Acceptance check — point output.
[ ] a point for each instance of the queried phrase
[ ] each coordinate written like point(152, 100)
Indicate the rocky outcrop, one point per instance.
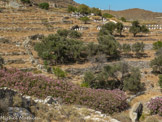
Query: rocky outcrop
point(136, 111)
point(134, 96)
point(36, 36)
point(29, 109)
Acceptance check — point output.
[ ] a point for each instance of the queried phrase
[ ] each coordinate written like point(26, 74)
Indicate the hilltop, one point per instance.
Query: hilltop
point(138, 14)
point(52, 3)
point(58, 3)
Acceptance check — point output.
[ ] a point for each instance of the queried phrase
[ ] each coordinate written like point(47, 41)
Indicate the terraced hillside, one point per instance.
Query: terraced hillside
point(21, 28)
point(16, 26)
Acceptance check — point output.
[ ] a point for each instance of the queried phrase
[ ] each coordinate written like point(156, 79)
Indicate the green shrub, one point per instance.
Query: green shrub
point(108, 45)
point(126, 48)
point(103, 32)
point(89, 78)
point(156, 64)
point(159, 52)
point(132, 83)
point(110, 26)
point(160, 80)
point(138, 48)
point(44, 6)
point(144, 29)
point(157, 61)
point(84, 9)
point(92, 49)
point(106, 15)
point(157, 45)
point(72, 8)
point(84, 19)
point(63, 32)
point(136, 28)
point(25, 1)
point(119, 27)
point(123, 19)
point(59, 50)
point(96, 11)
point(74, 34)
point(59, 72)
point(1, 62)
point(85, 84)
point(119, 76)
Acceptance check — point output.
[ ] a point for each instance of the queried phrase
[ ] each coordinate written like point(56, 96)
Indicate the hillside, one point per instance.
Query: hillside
point(57, 3)
point(138, 14)
point(61, 76)
point(52, 3)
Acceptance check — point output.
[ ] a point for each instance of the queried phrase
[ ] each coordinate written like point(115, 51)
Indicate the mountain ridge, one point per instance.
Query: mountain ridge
point(138, 14)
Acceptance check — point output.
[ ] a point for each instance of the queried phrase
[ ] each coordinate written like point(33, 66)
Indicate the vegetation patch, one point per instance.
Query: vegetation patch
point(157, 45)
point(155, 106)
point(25, 1)
point(64, 47)
point(40, 86)
point(137, 28)
point(44, 6)
point(160, 80)
point(118, 76)
point(156, 63)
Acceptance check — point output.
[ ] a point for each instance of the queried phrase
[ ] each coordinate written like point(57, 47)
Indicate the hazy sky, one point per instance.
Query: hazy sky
point(153, 5)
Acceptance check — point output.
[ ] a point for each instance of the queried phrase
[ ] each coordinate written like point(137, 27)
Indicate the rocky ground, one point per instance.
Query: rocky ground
point(29, 109)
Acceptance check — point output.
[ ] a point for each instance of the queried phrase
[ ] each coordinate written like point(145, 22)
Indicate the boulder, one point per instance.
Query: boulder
point(5, 41)
point(37, 36)
point(20, 114)
point(50, 100)
point(136, 112)
point(75, 27)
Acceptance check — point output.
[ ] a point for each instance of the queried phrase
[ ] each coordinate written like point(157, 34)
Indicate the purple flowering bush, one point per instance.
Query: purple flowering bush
point(108, 101)
point(155, 106)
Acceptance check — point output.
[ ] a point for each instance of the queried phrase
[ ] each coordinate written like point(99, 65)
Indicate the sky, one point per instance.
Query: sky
point(153, 5)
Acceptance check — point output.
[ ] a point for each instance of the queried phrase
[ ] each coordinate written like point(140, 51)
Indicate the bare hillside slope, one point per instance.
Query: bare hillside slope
point(139, 14)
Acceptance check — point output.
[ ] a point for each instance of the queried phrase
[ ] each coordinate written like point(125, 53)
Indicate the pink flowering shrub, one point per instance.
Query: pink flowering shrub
point(108, 101)
point(155, 106)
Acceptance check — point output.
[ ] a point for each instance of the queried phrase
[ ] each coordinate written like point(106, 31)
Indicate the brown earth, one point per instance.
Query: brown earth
point(139, 14)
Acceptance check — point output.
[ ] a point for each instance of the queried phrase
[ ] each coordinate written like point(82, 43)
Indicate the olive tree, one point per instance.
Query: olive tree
point(156, 64)
point(138, 48)
point(108, 45)
point(119, 27)
point(110, 26)
point(135, 28)
point(96, 11)
point(126, 48)
point(84, 9)
point(84, 19)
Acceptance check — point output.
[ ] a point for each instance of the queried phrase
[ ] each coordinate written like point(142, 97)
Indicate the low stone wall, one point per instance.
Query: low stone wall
point(148, 47)
point(97, 68)
point(139, 64)
point(14, 61)
point(34, 61)
point(138, 39)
